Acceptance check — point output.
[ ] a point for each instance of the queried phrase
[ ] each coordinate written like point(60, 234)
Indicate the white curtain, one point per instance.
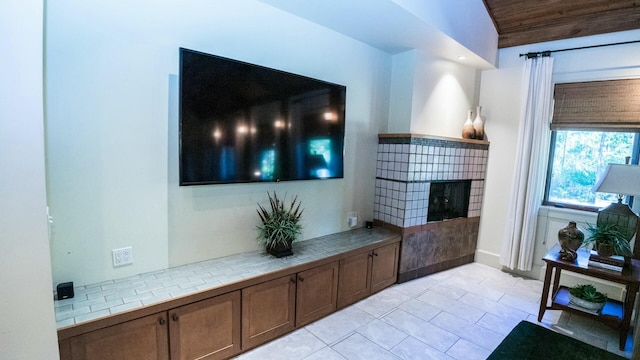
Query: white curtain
point(530, 164)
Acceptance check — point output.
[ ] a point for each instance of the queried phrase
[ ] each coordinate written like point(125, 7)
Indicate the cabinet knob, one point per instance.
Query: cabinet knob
point(174, 317)
point(375, 253)
point(293, 280)
point(161, 321)
point(300, 278)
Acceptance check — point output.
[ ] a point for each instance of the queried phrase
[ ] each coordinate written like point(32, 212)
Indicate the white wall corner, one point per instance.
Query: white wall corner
point(466, 22)
point(28, 329)
point(401, 92)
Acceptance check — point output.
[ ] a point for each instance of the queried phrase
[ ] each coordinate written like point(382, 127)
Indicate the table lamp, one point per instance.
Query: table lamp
point(620, 179)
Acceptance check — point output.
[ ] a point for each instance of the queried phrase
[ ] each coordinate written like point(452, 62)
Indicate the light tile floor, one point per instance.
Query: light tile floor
point(462, 313)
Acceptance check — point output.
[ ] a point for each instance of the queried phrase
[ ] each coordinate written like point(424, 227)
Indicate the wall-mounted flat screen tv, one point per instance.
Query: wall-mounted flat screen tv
point(242, 123)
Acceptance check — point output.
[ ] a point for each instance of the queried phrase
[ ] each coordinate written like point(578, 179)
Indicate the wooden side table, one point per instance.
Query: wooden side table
point(615, 314)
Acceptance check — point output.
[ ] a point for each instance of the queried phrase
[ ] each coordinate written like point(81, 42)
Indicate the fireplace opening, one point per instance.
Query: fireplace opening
point(448, 200)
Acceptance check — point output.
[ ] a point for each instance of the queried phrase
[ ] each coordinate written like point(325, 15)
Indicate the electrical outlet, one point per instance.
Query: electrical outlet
point(352, 218)
point(122, 256)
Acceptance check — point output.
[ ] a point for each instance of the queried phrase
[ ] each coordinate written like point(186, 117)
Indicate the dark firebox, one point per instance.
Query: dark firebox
point(448, 200)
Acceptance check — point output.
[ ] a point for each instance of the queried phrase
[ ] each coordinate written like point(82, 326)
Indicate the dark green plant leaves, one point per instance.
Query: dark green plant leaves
point(609, 235)
point(280, 223)
point(588, 293)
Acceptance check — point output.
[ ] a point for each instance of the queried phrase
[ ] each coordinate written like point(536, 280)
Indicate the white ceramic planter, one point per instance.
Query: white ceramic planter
point(585, 304)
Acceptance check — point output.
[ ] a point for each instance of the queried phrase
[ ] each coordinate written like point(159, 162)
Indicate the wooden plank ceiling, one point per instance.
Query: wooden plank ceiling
point(521, 22)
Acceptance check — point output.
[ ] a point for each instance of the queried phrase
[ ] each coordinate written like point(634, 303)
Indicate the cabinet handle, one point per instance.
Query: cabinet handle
point(375, 253)
point(293, 280)
point(300, 278)
point(161, 321)
point(174, 317)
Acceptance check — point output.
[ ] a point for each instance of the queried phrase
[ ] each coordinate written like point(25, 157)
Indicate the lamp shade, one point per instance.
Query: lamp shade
point(619, 179)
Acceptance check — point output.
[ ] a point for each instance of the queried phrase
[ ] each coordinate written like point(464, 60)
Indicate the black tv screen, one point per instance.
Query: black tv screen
point(247, 123)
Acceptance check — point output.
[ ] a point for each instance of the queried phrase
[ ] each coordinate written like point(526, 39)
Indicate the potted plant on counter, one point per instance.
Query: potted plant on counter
point(280, 225)
point(608, 240)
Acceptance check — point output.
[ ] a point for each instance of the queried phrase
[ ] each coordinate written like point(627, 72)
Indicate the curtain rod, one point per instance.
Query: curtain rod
point(531, 55)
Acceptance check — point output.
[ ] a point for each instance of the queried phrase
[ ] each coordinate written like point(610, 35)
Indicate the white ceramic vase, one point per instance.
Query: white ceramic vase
point(467, 129)
point(478, 124)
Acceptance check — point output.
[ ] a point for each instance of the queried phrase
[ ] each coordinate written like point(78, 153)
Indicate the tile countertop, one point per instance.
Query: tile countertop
point(110, 297)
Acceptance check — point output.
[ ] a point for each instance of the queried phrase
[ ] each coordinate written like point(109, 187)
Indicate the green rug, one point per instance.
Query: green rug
point(530, 341)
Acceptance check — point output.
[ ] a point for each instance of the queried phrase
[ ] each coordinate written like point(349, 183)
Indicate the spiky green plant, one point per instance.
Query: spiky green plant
point(280, 222)
point(609, 235)
point(588, 293)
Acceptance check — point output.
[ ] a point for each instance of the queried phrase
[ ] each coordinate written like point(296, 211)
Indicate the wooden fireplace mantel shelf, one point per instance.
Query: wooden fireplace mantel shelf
point(435, 137)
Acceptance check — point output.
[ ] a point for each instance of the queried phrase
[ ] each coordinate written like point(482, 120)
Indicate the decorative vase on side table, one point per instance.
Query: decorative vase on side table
point(570, 239)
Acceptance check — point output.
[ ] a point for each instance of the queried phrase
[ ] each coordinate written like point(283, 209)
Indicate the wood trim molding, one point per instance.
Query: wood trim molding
point(434, 137)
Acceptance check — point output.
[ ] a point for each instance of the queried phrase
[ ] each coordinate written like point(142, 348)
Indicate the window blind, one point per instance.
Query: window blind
point(611, 105)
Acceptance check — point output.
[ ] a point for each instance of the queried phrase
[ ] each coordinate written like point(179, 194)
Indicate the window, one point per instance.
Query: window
point(576, 160)
point(594, 123)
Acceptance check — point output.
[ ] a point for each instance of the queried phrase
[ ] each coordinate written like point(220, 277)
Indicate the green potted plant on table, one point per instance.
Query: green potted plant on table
point(280, 225)
point(586, 296)
point(608, 240)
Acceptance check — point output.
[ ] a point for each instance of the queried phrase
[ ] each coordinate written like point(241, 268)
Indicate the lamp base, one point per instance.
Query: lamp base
point(621, 215)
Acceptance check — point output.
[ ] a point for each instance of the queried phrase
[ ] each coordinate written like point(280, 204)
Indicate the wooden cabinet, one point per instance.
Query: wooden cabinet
point(208, 329)
point(268, 310)
point(384, 267)
point(354, 282)
point(144, 338)
point(363, 274)
point(238, 316)
point(316, 293)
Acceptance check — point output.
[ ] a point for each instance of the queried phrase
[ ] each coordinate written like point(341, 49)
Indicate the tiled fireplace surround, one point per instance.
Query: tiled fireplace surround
point(407, 165)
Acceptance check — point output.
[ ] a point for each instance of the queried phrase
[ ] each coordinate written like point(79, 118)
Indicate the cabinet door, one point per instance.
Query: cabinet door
point(144, 338)
point(268, 311)
point(353, 279)
point(208, 329)
point(384, 269)
point(316, 293)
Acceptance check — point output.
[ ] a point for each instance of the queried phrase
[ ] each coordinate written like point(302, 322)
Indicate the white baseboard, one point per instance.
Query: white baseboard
point(488, 258)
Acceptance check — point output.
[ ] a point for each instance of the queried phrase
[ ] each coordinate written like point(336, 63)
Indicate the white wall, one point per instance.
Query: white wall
point(401, 96)
point(500, 97)
point(430, 95)
point(27, 330)
point(465, 21)
point(444, 91)
point(111, 87)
